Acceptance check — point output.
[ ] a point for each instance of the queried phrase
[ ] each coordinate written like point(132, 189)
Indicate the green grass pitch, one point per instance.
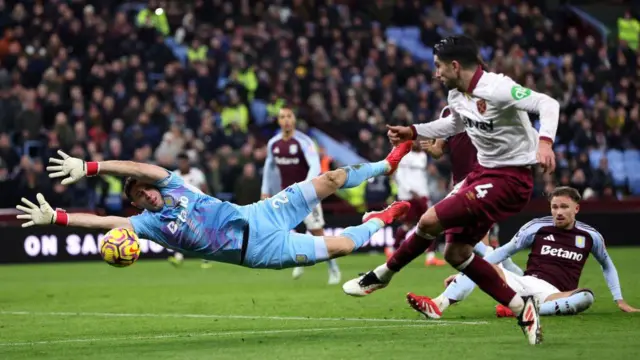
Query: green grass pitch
point(154, 311)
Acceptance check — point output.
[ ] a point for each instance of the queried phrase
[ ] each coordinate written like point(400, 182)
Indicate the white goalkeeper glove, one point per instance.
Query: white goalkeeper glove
point(75, 168)
point(43, 215)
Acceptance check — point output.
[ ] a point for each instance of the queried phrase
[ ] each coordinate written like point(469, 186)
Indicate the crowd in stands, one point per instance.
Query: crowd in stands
point(149, 81)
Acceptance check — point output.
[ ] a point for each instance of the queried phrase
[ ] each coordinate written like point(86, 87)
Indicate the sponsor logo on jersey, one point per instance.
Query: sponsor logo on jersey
point(550, 238)
point(580, 241)
point(482, 106)
point(470, 195)
point(519, 92)
point(560, 253)
point(482, 126)
point(287, 160)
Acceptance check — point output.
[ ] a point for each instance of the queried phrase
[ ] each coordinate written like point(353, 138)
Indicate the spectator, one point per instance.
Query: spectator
point(247, 189)
point(89, 78)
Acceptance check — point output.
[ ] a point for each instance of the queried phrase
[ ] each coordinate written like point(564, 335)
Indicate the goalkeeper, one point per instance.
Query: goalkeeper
point(180, 217)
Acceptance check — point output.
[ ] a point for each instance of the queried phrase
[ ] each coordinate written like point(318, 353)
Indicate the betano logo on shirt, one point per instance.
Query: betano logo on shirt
point(519, 92)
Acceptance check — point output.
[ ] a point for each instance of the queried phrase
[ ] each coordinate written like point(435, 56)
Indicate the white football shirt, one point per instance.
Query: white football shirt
point(195, 177)
point(494, 113)
point(411, 175)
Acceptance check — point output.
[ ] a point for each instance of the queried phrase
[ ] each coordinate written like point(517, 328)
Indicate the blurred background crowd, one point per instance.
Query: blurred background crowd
point(197, 83)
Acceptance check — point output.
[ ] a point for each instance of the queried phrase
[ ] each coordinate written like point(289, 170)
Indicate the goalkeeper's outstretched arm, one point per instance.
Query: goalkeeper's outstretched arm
point(74, 169)
point(141, 171)
point(44, 214)
point(93, 221)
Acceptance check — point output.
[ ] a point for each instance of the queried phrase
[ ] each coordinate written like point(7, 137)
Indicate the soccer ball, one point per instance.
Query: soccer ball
point(120, 247)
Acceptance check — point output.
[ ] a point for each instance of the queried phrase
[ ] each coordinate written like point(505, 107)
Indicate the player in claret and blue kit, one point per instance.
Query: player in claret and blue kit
point(560, 246)
point(180, 217)
point(292, 158)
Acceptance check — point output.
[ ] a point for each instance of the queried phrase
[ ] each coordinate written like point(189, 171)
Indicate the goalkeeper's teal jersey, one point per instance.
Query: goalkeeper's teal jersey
point(193, 223)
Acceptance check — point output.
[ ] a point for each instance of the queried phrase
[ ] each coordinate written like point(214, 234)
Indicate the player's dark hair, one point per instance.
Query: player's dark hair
point(567, 191)
point(129, 183)
point(460, 48)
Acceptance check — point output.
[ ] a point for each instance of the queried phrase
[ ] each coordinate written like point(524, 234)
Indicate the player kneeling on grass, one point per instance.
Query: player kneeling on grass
point(179, 217)
point(560, 246)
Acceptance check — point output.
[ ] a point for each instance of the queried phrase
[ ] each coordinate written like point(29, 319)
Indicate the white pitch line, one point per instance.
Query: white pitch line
point(192, 335)
point(239, 317)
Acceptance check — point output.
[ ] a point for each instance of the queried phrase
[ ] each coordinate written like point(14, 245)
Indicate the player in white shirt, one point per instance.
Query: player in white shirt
point(411, 175)
point(413, 186)
point(492, 109)
point(194, 177)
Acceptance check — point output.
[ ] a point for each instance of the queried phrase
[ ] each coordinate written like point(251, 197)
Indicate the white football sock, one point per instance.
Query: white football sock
point(442, 301)
point(384, 273)
point(516, 304)
point(333, 265)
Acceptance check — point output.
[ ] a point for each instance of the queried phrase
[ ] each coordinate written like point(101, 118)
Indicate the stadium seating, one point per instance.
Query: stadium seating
point(406, 33)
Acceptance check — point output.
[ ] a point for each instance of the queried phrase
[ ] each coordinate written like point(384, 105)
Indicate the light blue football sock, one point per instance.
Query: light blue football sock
point(460, 288)
point(362, 233)
point(571, 305)
point(481, 249)
point(357, 174)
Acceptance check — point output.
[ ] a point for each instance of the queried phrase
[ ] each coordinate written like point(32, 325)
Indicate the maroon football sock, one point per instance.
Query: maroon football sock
point(399, 236)
point(488, 279)
point(432, 247)
point(410, 249)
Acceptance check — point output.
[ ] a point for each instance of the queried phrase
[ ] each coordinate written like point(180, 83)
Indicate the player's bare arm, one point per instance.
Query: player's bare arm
point(435, 148)
point(75, 169)
point(44, 214)
point(610, 273)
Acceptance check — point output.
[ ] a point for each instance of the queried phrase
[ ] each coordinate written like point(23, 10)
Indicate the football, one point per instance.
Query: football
point(120, 247)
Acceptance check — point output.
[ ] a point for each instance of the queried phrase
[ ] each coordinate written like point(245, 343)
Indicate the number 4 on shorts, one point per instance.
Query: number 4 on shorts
point(481, 190)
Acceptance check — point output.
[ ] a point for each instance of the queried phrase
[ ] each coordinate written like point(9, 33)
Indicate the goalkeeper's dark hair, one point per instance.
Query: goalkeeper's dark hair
point(567, 191)
point(129, 183)
point(460, 48)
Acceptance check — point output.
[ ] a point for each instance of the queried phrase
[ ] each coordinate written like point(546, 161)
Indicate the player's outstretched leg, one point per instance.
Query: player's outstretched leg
point(488, 278)
point(568, 303)
point(457, 290)
point(354, 237)
point(417, 243)
point(351, 176)
point(564, 303)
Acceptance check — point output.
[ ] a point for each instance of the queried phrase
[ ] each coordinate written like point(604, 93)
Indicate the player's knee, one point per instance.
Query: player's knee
point(429, 223)
point(344, 246)
point(333, 178)
point(456, 254)
point(585, 299)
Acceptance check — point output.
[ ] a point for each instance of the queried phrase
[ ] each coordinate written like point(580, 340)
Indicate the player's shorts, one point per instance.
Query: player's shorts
point(271, 243)
point(529, 285)
point(315, 220)
point(487, 196)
